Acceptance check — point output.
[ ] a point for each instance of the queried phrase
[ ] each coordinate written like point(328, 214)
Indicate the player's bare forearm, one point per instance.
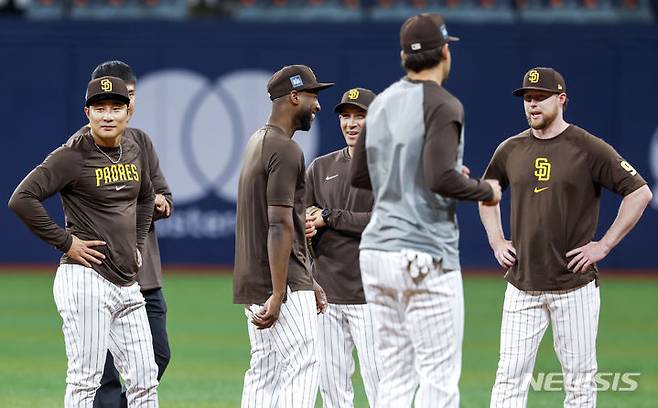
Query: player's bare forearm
point(320, 297)
point(279, 245)
point(491, 220)
point(503, 249)
point(630, 211)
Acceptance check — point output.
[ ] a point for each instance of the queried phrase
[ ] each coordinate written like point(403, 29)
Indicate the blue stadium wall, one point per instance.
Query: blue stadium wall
point(201, 93)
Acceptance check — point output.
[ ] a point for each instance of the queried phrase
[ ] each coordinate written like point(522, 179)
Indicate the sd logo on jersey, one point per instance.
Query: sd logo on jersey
point(542, 172)
point(542, 169)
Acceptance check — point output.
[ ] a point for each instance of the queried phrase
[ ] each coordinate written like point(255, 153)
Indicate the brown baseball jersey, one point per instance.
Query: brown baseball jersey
point(336, 247)
point(102, 200)
point(555, 191)
point(272, 174)
point(150, 273)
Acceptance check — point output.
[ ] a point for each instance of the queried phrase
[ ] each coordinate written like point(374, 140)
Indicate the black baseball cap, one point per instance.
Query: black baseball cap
point(542, 79)
point(424, 32)
point(359, 97)
point(294, 78)
point(106, 88)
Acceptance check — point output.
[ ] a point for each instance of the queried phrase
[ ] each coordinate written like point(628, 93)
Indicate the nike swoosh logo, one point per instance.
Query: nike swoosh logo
point(539, 190)
point(119, 188)
point(330, 177)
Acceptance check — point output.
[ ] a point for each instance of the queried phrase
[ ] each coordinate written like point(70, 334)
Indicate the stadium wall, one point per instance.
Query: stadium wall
point(201, 93)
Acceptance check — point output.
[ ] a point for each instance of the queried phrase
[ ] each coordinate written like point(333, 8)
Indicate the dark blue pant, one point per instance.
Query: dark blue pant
point(110, 394)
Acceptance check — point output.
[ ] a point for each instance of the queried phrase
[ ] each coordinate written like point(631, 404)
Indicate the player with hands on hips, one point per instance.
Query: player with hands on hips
point(83, 252)
point(112, 393)
point(107, 195)
point(555, 171)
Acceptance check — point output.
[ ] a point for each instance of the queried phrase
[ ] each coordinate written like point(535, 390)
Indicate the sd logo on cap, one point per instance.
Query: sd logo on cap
point(106, 88)
point(353, 94)
point(359, 97)
point(542, 79)
point(106, 85)
point(533, 76)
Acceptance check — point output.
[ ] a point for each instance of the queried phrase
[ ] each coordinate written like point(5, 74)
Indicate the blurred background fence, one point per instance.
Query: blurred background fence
point(340, 10)
point(202, 66)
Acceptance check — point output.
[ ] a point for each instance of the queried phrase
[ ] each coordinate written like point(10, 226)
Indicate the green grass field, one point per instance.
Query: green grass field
point(210, 348)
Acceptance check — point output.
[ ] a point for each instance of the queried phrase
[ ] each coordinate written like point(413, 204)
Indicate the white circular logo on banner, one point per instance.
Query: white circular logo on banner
point(200, 128)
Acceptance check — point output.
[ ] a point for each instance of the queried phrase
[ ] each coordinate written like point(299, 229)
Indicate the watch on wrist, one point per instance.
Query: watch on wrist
point(326, 213)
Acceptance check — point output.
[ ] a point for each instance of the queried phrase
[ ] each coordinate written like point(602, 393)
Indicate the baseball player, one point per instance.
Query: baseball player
point(340, 213)
point(272, 268)
point(555, 171)
point(110, 394)
point(108, 203)
point(411, 154)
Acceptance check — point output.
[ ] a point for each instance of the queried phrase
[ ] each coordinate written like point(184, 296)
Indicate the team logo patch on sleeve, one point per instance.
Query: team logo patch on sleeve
point(627, 166)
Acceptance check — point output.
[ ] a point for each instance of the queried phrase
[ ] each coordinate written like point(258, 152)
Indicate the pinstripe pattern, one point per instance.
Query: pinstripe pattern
point(284, 367)
point(574, 315)
point(341, 328)
point(98, 315)
point(419, 327)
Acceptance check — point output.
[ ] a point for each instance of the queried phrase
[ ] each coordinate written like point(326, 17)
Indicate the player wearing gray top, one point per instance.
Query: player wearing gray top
point(411, 155)
point(108, 204)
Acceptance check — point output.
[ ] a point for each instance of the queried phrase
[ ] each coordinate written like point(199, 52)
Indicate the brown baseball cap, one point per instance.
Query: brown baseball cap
point(424, 32)
point(106, 88)
point(542, 79)
point(294, 78)
point(359, 97)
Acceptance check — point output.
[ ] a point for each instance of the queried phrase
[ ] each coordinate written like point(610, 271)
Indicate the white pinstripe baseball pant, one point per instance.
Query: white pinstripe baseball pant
point(99, 315)
point(419, 327)
point(284, 367)
point(341, 328)
point(574, 315)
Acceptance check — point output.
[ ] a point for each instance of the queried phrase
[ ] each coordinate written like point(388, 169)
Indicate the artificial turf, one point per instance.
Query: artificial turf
point(210, 348)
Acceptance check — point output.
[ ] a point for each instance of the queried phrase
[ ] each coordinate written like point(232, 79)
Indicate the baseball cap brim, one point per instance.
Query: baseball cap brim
point(106, 96)
point(338, 108)
point(317, 87)
point(521, 91)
